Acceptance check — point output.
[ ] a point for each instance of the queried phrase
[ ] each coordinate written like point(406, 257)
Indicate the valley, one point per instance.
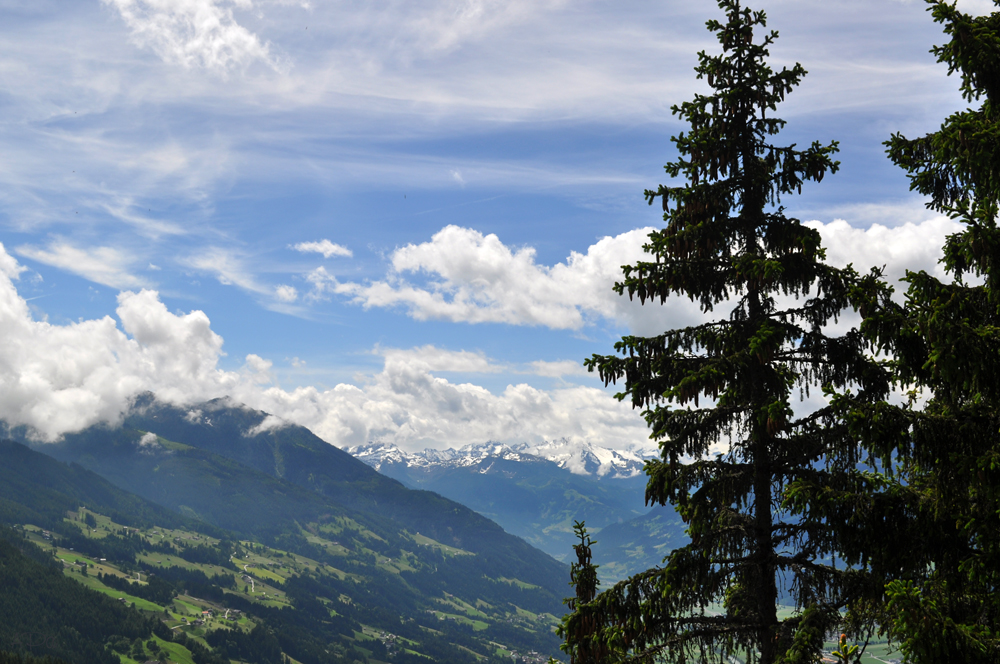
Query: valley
point(537, 493)
point(367, 571)
point(221, 605)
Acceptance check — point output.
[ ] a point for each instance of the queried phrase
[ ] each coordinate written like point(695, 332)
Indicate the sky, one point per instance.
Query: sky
point(388, 220)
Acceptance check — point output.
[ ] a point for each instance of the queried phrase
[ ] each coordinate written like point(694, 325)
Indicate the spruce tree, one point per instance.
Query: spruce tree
point(718, 396)
point(928, 528)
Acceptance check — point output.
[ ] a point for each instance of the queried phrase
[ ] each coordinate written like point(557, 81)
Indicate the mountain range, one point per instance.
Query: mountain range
point(385, 556)
point(538, 492)
point(577, 458)
point(390, 559)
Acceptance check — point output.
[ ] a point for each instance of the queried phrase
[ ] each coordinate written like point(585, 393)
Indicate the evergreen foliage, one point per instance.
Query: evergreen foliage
point(43, 613)
point(928, 528)
point(726, 463)
point(583, 578)
point(328, 609)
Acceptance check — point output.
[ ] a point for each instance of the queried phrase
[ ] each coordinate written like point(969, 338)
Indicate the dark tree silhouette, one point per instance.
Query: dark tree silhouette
point(718, 395)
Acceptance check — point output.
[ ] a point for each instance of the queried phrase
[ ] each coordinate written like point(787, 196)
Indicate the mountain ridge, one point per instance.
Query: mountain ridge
point(580, 459)
point(268, 486)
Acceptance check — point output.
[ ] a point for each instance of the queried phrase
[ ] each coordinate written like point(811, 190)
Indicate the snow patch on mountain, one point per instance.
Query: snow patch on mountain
point(585, 459)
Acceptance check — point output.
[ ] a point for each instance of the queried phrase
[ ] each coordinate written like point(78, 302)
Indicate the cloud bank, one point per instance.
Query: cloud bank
point(60, 378)
point(461, 275)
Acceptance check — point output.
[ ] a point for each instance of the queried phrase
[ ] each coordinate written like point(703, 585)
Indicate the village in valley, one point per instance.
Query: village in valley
point(253, 573)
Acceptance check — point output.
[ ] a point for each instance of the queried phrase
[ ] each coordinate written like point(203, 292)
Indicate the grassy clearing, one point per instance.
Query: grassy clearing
point(423, 540)
point(517, 582)
point(477, 625)
point(92, 583)
point(175, 652)
point(464, 607)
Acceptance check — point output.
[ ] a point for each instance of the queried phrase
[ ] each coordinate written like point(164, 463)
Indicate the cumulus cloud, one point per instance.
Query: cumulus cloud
point(324, 247)
point(323, 285)
point(258, 368)
point(102, 265)
point(286, 293)
point(193, 33)
point(9, 267)
point(269, 423)
point(60, 378)
point(978, 7)
point(461, 275)
point(148, 439)
point(413, 408)
point(904, 247)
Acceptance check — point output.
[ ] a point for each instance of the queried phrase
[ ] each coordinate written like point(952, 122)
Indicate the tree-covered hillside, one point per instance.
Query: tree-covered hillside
point(44, 613)
point(319, 574)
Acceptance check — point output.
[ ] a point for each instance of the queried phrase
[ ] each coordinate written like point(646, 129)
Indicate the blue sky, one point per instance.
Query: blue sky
point(392, 220)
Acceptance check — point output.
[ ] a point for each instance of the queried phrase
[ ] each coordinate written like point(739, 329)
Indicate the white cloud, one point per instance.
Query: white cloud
point(102, 265)
point(558, 369)
point(446, 24)
point(229, 268)
point(908, 246)
point(151, 228)
point(269, 423)
point(324, 284)
point(461, 275)
point(465, 276)
point(286, 293)
point(977, 7)
point(258, 364)
point(193, 33)
point(411, 407)
point(59, 378)
point(430, 358)
point(9, 267)
point(324, 247)
point(149, 443)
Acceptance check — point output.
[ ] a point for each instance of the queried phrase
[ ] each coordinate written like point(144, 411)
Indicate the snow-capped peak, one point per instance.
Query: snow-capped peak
point(580, 459)
point(375, 454)
point(589, 459)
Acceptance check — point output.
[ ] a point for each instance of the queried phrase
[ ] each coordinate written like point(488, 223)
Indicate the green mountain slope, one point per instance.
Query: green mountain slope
point(326, 594)
point(43, 613)
point(188, 475)
point(392, 578)
point(638, 544)
point(295, 454)
point(530, 497)
point(299, 457)
point(33, 489)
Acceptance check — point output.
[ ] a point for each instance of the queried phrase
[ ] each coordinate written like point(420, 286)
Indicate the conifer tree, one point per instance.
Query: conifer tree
point(930, 526)
point(718, 396)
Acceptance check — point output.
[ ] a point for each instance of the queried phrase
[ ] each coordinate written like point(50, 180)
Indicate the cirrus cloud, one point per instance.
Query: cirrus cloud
point(193, 33)
point(103, 265)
